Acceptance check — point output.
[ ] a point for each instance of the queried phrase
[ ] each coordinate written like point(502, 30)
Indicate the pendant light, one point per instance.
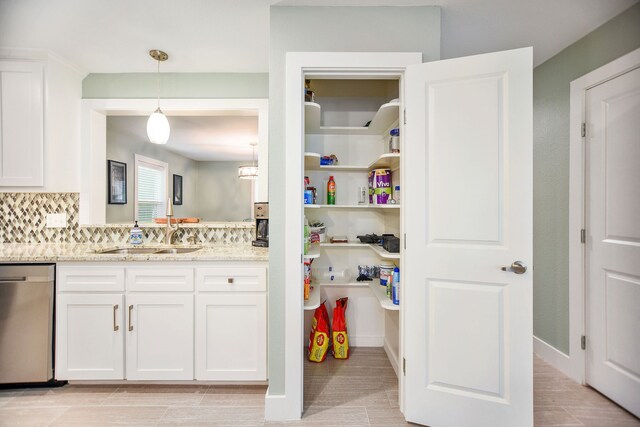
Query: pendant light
point(158, 126)
point(249, 172)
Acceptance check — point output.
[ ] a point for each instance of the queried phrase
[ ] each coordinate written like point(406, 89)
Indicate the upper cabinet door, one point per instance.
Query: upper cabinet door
point(21, 123)
point(468, 214)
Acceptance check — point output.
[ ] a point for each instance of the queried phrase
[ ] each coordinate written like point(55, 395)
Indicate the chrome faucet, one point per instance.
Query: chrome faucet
point(170, 230)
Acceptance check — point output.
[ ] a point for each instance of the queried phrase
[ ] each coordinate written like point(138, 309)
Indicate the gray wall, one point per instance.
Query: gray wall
point(551, 167)
point(316, 29)
point(126, 136)
point(176, 85)
point(221, 194)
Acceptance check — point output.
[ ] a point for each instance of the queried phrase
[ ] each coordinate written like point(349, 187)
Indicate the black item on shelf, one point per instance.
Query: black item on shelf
point(391, 243)
point(364, 278)
point(370, 238)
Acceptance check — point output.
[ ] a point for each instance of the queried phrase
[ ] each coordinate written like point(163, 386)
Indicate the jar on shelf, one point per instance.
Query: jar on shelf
point(394, 141)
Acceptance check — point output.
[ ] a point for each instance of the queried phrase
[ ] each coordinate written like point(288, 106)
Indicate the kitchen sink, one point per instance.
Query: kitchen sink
point(146, 251)
point(177, 250)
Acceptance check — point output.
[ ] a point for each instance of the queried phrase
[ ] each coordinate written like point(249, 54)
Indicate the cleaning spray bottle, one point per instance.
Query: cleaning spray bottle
point(331, 191)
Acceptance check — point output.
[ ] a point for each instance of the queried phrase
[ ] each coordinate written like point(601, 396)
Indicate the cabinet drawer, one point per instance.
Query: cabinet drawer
point(88, 279)
point(160, 279)
point(230, 279)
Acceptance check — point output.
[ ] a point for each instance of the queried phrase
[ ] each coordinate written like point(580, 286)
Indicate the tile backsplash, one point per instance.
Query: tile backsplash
point(23, 219)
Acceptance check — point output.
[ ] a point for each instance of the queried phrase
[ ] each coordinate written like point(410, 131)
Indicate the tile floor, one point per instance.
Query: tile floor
point(361, 391)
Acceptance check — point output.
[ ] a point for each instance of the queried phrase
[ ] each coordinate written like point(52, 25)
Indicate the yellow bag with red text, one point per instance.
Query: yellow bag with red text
point(319, 339)
point(340, 337)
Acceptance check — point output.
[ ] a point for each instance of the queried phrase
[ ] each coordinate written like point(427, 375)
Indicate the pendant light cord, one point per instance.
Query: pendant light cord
point(158, 81)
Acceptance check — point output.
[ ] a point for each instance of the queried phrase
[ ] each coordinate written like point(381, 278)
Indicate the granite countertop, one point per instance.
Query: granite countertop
point(80, 252)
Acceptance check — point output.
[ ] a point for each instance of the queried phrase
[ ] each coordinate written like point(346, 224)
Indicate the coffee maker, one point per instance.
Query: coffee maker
point(261, 213)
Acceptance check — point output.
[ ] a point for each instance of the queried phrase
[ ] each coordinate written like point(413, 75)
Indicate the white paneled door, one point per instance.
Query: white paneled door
point(468, 214)
point(613, 243)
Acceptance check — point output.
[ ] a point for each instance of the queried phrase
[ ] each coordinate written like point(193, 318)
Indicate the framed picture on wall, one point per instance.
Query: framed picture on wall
point(177, 189)
point(117, 182)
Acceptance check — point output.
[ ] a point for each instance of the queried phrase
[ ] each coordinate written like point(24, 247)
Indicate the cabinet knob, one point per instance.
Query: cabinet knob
point(230, 280)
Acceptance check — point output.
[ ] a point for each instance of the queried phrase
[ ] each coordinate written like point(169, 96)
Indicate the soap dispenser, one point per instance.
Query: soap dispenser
point(135, 237)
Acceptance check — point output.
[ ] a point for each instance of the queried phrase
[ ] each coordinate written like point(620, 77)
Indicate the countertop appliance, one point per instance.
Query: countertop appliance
point(26, 323)
point(261, 212)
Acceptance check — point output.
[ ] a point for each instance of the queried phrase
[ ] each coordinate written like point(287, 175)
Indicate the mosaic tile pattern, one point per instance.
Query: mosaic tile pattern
point(23, 220)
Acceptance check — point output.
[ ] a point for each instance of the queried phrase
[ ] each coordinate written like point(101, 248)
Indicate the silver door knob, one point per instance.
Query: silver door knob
point(517, 267)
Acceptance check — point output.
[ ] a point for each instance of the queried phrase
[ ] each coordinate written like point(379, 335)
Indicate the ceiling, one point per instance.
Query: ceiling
point(232, 35)
point(202, 138)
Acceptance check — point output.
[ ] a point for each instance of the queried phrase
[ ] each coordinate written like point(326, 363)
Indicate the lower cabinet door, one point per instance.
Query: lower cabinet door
point(231, 336)
point(159, 333)
point(89, 337)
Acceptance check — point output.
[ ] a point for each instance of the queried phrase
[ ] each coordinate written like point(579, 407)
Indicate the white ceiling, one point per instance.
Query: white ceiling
point(114, 36)
point(203, 138)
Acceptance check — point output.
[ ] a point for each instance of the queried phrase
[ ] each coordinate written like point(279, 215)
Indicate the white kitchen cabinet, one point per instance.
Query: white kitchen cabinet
point(21, 123)
point(231, 336)
point(138, 321)
point(159, 336)
point(90, 336)
point(231, 332)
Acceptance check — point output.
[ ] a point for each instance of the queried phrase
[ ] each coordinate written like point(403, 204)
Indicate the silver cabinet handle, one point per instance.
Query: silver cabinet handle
point(230, 280)
point(115, 324)
point(130, 315)
point(517, 267)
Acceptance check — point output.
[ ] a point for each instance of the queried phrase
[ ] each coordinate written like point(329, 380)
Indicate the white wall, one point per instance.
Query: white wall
point(63, 92)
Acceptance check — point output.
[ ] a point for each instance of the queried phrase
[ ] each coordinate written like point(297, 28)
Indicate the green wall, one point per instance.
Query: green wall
point(328, 29)
point(551, 167)
point(176, 85)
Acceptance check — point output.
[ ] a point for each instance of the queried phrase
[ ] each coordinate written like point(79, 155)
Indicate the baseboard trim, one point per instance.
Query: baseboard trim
point(553, 356)
point(366, 341)
point(393, 358)
point(279, 408)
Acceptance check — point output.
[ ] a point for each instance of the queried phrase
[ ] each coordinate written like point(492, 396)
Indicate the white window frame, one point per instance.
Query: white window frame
point(141, 160)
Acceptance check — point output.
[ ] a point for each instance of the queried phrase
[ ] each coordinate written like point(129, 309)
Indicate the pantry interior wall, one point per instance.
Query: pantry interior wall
point(323, 29)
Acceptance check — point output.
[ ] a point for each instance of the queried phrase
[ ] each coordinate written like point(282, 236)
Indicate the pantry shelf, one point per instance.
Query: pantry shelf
point(314, 298)
point(379, 250)
point(381, 293)
point(389, 160)
point(352, 206)
point(386, 115)
point(351, 283)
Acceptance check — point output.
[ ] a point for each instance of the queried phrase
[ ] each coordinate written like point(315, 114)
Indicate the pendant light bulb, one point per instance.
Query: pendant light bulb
point(158, 129)
point(249, 172)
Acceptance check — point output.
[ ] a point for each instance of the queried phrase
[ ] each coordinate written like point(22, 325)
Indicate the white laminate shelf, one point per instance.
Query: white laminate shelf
point(388, 160)
point(386, 115)
point(379, 250)
point(381, 293)
point(314, 298)
point(396, 206)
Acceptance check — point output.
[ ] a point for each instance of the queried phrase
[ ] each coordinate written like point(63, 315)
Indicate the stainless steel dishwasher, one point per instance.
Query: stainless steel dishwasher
point(26, 323)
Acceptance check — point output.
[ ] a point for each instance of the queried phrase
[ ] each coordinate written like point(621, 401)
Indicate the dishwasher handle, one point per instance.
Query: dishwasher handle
point(13, 279)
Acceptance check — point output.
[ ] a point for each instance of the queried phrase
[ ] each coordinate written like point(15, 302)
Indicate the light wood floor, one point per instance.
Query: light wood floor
point(361, 391)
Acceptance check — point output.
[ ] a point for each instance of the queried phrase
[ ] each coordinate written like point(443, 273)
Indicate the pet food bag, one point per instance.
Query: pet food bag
point(340, 337)
point(319, 339)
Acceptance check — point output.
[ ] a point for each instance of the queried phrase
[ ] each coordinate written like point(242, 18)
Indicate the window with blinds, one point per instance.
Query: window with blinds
point(151, 188)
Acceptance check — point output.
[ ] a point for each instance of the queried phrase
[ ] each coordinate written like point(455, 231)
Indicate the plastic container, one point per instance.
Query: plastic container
point(332, 275)
point(396, 193)
point(394, 141)
point(135, 235)
point(386, 273)
point(321, 232)
point(395, 290)
point(308, 197)
point(331, 191)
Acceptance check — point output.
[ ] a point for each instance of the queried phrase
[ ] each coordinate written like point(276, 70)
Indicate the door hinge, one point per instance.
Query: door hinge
point(301, 258)
point(583, 236)
point(404, 114)
point(405, 241)
point(583, 130)
point(404, 366)
point(583, 342)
